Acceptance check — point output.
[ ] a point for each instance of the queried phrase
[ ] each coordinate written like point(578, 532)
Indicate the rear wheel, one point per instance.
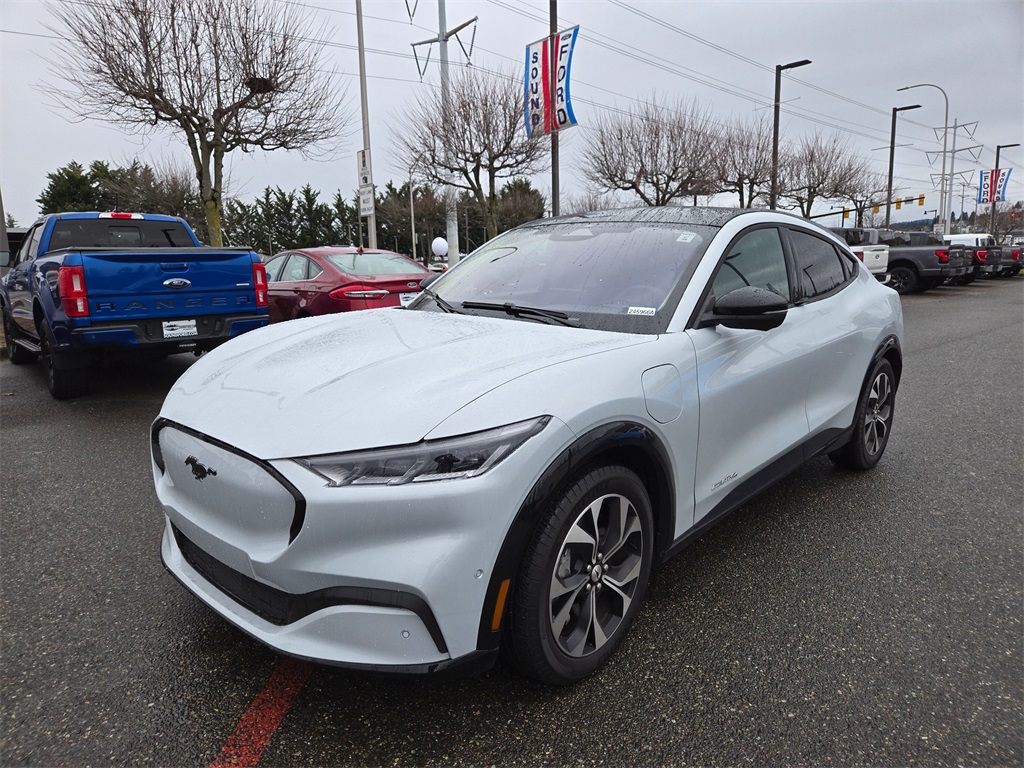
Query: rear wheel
point(582, 578)
point(903, 280)
point(872, 421)
point(63, 383)
point(16, 353)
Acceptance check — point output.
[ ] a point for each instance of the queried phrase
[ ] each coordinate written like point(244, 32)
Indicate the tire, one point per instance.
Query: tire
point(903, 280)
point(16, 353)
point(872, 421)
point(595, 547)
point(63, 383)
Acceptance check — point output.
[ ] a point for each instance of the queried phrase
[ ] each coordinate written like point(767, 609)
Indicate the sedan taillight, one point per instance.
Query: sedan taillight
point(358, 292)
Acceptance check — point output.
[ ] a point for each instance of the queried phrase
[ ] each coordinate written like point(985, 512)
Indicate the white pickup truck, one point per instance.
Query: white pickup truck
point(875, 257)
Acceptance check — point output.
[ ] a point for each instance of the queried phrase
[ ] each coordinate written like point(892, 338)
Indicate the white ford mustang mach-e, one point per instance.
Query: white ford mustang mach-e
point(498, 466)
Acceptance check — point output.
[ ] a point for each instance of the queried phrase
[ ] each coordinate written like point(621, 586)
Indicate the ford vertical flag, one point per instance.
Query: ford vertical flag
point(547, 105)
point(992, 185)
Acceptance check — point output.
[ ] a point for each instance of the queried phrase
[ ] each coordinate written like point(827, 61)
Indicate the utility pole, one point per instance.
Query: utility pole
point(554, 134)
point(371, 224)
point(779, 69)
point(451, 209)
point(892, 156)
point(952, 162)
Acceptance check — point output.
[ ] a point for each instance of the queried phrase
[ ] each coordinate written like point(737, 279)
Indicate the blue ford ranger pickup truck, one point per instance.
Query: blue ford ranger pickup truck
point(89, 286)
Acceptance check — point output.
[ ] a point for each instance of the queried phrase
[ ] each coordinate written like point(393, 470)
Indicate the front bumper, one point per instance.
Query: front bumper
point(380, 578)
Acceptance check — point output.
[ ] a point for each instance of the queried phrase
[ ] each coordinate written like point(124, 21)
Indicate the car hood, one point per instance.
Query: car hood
point(364, 379)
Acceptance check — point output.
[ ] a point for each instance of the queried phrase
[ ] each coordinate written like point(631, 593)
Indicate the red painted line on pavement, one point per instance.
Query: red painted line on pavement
point(259, 723)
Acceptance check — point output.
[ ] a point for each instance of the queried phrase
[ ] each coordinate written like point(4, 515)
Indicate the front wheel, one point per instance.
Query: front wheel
point(872, 421)
point(583, 577)
point(63, 383)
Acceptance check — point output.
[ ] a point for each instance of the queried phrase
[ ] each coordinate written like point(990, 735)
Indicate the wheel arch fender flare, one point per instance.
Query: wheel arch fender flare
point(626, 443)
point(890, 350)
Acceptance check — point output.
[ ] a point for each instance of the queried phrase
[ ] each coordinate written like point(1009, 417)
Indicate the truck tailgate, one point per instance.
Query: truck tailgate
point(168, 283)
point(875, 257)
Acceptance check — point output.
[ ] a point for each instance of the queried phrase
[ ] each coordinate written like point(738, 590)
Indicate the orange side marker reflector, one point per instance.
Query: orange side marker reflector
point(499, 606)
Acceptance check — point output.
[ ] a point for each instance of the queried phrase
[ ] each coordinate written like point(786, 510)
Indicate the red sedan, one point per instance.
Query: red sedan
point(319, 281)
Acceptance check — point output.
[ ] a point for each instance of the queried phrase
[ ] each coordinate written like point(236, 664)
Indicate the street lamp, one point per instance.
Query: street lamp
point(892, 155)
point(944, 205)
point(775, 128)
point(992, 228)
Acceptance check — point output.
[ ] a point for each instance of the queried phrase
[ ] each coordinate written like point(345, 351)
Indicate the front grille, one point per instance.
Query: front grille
point(280, 607)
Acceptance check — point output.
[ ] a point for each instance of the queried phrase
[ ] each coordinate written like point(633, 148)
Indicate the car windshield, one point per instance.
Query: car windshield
point(371, 263)
point(608, 275)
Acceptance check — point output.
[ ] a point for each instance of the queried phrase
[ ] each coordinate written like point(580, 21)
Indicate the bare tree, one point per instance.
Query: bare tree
point(227, 74)
point(590, 200)
point(865, 190)
point(478, 140)
point(819, 168)
point(744, 164)
point(657, 153)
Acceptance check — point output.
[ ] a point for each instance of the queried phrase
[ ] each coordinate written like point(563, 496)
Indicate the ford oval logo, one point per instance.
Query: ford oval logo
point(177, 282)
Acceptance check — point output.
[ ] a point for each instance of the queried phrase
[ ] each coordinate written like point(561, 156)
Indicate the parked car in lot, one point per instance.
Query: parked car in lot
point(986, 255)
point(615, 383)
point(320, 281)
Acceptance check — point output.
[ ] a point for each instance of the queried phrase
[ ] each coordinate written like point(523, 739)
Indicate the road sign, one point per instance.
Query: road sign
point(366, 200)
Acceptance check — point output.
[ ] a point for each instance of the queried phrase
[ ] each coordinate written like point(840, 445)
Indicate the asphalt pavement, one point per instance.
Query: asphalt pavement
point(837, 619)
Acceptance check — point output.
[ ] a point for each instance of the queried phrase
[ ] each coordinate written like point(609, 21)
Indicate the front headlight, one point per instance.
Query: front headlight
point(445, 459)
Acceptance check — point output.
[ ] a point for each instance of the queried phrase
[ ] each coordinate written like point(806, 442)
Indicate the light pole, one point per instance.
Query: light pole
point(943, 212)
point(892, 155)
point(992, 226)
point(775, 128)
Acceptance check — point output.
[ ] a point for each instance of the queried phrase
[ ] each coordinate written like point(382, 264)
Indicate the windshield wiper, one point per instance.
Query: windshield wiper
point(444, 305)
point(517, 311)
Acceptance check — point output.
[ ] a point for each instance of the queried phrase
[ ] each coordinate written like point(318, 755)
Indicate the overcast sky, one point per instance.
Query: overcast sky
point(722, 54)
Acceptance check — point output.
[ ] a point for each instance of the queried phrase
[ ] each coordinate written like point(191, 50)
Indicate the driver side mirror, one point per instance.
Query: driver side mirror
point(749, 307)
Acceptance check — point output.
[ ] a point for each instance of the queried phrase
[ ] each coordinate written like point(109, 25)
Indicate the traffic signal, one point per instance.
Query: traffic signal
point(899, 203)
point(920, 199)
point(846, 213)
point(877, 208)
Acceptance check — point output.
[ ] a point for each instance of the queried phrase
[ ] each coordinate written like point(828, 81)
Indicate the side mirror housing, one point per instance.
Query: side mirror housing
point(429, 279)
point(750, 308)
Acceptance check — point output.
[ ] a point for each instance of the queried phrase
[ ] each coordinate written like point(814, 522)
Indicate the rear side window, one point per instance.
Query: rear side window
point(118, 233)
point(820, 266)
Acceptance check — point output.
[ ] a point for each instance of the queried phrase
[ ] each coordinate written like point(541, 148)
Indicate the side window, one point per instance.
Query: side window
point(30, 245)
point(755, 259)
point(820, 266)
point(296, 268)
point(274, 268)
point(312, 269)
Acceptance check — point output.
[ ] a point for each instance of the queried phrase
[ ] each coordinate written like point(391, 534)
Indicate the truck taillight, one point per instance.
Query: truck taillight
point(71, 287)
point(259, 281)
point(1015, 254)
point(943, 256)
point(859, 253)
point(982, 255)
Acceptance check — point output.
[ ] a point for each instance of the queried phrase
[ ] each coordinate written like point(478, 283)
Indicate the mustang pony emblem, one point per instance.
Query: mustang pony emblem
point(198, 470)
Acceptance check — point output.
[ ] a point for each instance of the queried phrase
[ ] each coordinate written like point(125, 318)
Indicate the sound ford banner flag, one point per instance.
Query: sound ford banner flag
point(992, 185)
point(548, 106)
